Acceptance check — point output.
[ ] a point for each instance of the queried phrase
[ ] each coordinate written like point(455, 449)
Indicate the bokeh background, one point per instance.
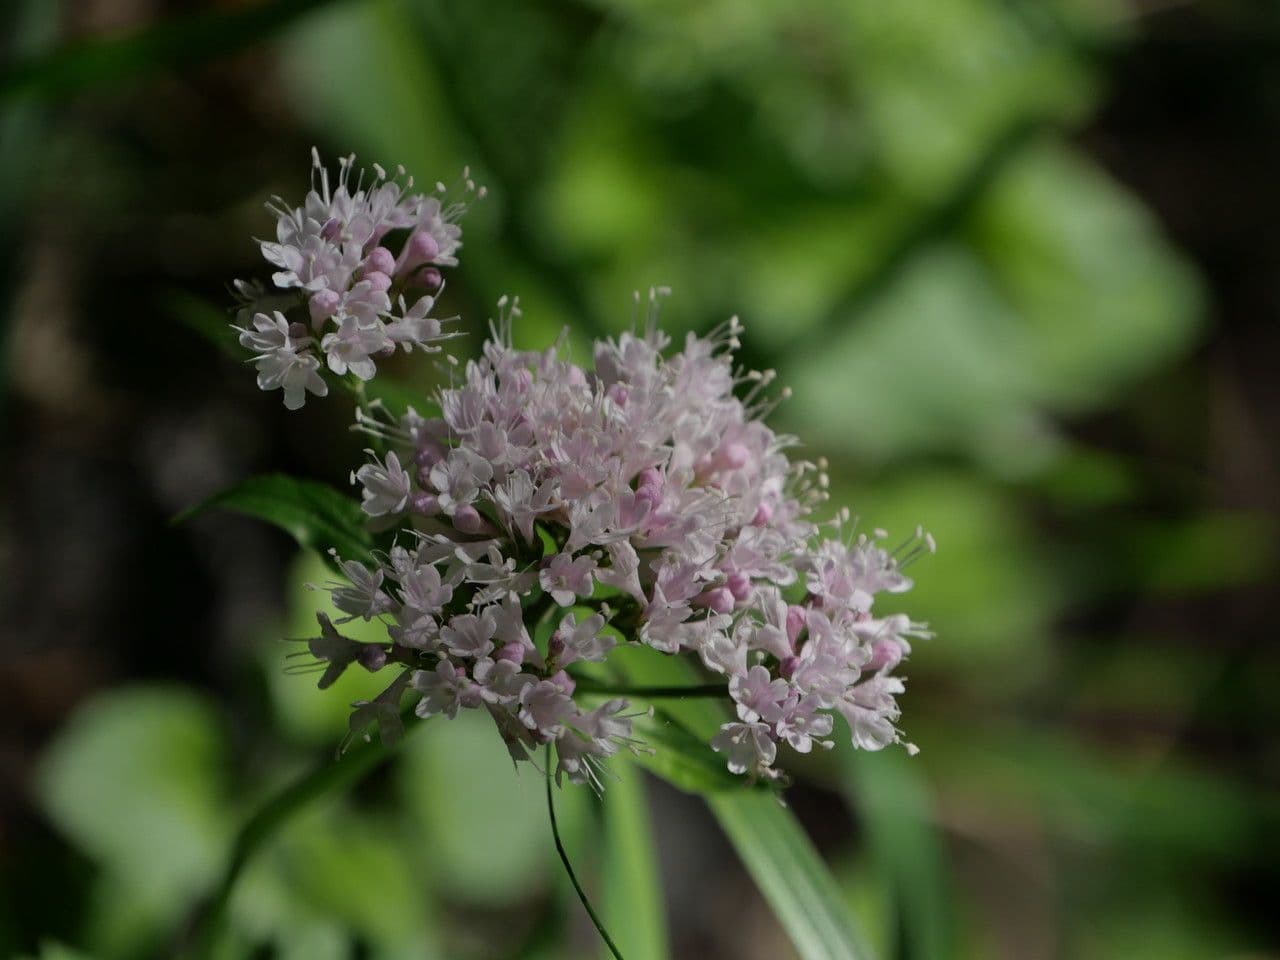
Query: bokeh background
point(1018, 262)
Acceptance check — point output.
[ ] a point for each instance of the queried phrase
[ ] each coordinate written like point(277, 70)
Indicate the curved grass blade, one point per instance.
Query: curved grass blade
point(893, 800)
point(790, 874)
point(773, 846)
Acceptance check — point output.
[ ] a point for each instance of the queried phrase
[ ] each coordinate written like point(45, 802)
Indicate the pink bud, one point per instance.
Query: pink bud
point(324, 304)
point(467, 519)
point(885, 654)
point(788, 667)
point(430, 278)
point(797, 617)
point(739, 585)
point(422, 247)
point(649, 486)
point(380, 260)
point(717, 599)
point(513, 652)
point(424, 503)
point(428, 455)
point(764, 513)
point(733, 456)
point(618, 393)
point(378, 280)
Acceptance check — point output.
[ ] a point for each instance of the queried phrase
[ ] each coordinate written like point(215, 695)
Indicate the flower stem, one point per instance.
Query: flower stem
point(568, 867)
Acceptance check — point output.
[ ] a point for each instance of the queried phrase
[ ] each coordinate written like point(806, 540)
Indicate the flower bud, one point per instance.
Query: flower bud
point(717, 599)
point(885, 655)
point(467, 519)
point(324, 304)
point(739, 584)
point(424, 504)
point(380, 260)
point(797, 617)
point(378, 280)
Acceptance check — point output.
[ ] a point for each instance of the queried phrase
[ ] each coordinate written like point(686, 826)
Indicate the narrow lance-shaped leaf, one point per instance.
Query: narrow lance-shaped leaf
point(892, 800)
point(633, 906)
point(314, 514)
point(773, 846)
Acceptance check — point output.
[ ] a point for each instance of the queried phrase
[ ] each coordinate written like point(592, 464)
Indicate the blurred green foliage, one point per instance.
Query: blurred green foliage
point(891, 197)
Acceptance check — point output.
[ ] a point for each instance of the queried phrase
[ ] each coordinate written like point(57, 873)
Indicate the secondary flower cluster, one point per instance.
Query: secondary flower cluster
point(551, 511)
point(348, 295)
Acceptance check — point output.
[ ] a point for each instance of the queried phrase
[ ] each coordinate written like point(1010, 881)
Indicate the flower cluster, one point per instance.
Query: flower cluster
point(343, 295)
point(550, 511)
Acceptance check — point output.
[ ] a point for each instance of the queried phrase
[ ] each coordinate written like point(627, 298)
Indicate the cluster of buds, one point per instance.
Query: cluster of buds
point(551, 511)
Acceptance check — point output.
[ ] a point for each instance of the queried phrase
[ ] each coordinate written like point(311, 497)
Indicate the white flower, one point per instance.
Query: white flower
point(468, 635)
point(364, 596)
point(386, 486)
point(329, 250)
point(749, 746)
point(566, 577)
point(280, 361)
point(573, 641)
point(544, 707)
point(444, 690)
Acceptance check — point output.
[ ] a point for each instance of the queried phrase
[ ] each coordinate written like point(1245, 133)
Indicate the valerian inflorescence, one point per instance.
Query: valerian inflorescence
point(639, 498)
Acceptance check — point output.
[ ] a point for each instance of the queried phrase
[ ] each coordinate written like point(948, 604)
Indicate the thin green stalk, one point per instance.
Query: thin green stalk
point(568, 867)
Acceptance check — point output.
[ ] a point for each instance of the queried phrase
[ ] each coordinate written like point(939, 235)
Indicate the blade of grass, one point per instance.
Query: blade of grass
point(792, 877)
point(175, 43)
point(774, 848)
point(893, 801)
point(632, 886)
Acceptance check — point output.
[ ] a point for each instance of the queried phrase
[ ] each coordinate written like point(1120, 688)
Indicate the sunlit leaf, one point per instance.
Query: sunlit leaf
point(894, 805)
point(791, 876)
point(134, 779)
point(632, 886)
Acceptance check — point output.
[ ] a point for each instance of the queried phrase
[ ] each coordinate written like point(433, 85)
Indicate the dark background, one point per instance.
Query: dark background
point(1017, 261)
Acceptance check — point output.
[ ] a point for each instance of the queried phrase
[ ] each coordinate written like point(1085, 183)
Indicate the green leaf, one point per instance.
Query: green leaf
point(790, 874)
point(893, 802)
point(134, 780)
point(633, 907)
point(683, 760)
point(483, 820)
point(314, 514)
point(773, 846)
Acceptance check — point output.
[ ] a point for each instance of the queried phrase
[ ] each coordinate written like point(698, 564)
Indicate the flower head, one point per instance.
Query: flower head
point(639, 498)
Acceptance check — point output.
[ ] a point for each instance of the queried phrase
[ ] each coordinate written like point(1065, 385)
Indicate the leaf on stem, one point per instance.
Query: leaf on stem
point(314, 514)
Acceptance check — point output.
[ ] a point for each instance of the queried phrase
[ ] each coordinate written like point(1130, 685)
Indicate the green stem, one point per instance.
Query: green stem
point(568, 867)
point(330, 776)
point(651, 693)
